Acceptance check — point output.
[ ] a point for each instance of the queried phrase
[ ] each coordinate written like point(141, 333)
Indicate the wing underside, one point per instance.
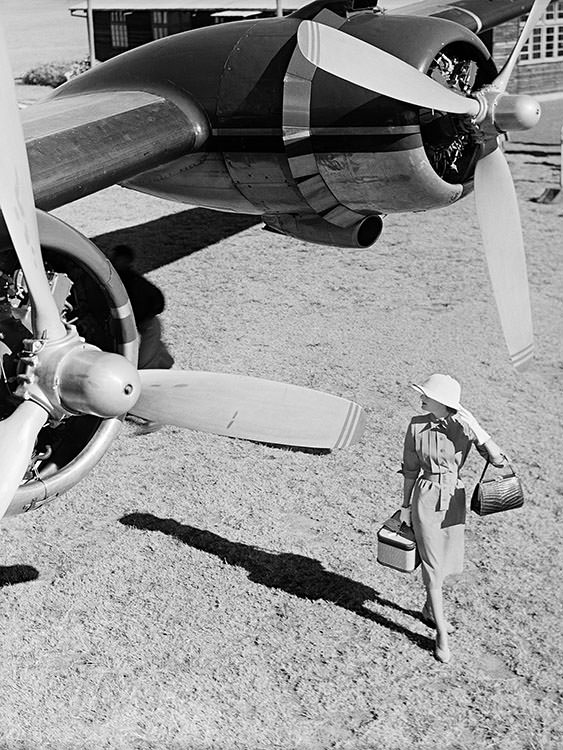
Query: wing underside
point(79, 144)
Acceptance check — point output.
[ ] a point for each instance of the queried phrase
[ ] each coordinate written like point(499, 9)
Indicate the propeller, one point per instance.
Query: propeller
point(18, 207)
point(18, 433)
point(504, 246)
point(364, 65)
point(53, 349)
point(249, 408)
point(536, 12)
point(61, 375)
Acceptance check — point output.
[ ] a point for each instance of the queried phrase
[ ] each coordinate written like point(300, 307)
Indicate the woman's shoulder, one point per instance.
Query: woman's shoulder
point(420, 419)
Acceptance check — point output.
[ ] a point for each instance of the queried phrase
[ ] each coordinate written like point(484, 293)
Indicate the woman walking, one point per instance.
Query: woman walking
point(436, 446)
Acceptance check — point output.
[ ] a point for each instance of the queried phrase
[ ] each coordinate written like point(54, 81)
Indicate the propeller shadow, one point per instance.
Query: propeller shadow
point(176, 236)
point(297, 575)
point(12, 574)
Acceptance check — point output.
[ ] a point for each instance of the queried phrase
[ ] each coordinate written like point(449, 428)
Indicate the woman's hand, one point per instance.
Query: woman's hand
point(464, 416)
point(496, 457)
point(499, 460)
point(405, 516)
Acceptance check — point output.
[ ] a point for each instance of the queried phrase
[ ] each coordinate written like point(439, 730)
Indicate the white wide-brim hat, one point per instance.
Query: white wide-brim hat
point(442, 388)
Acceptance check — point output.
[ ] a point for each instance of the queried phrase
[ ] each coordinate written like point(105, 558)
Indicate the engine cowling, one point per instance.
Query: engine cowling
point(91, 297)
point(396, 157)
point(290, 139)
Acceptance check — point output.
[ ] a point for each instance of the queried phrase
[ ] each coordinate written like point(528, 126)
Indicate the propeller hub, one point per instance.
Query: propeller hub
point(69, 377)
point(99, 383)
point(515, 112)
point(508, 111)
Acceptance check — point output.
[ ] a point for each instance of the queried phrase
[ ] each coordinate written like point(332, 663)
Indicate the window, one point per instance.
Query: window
point(546, 42)
point(159, 24)
point(118, 28)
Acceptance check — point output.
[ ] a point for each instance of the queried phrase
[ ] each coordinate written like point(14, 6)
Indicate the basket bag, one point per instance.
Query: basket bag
point(497, 494)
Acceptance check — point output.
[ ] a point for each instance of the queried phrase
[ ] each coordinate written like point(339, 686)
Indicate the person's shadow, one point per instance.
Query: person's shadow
point(296, 574)
point(12, 574)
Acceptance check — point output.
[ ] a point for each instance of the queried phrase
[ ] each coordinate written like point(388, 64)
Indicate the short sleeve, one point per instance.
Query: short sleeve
point(410, 467)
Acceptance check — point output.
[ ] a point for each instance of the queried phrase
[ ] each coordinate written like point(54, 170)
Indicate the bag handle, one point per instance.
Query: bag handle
point(394, 522)
point(488, 463)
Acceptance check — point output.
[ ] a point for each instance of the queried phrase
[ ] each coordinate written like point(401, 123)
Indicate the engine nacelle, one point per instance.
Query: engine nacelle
point(101, 311)
point(316, 229)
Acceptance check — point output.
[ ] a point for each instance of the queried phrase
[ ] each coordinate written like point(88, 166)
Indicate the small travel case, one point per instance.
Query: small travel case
point(396, 545)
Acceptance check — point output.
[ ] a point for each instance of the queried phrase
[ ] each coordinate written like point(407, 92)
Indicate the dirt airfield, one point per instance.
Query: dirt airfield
point(197, 592)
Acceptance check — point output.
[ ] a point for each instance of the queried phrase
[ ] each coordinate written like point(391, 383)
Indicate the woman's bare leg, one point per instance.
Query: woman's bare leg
point(442, 650)
point(428, 614)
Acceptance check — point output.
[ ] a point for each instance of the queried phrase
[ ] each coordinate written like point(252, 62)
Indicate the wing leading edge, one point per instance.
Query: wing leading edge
point(79, 144)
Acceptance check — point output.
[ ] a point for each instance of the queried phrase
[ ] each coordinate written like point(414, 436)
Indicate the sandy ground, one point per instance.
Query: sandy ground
point(198, 592)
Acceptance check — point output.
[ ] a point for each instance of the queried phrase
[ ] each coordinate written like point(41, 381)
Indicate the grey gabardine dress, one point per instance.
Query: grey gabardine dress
point(434, 452)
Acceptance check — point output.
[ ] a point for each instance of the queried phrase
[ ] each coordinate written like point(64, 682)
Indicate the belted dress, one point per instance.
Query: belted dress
point(434, 453)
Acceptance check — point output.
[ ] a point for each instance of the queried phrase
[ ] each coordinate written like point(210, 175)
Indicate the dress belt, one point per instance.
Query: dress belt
point(447, 482)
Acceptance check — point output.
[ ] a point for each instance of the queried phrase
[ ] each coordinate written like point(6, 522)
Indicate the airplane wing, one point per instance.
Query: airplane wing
point(80, 144)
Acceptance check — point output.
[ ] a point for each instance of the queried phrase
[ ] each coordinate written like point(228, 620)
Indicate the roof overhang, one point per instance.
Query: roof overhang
point(235, 13)
point(226, 7)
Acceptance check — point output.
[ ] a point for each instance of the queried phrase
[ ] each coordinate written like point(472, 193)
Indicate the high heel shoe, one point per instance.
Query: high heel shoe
point(429, 620)
point(442, 653)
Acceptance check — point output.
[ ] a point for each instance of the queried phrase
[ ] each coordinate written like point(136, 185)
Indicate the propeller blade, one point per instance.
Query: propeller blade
point(18, 434)
point(18, 207)
point(250, 408)
point(499, 218)
point(538, 9)
point(364, 65)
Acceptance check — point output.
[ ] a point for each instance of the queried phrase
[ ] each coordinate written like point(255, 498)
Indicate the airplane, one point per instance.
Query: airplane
point(321, 122)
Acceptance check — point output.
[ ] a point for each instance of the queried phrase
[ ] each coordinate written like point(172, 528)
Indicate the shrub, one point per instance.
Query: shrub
point(55, 73)
point(77, 67)
point(48, 74)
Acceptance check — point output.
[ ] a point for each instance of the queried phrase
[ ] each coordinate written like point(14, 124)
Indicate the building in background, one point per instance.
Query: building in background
point(540, 68)
point(120, 25)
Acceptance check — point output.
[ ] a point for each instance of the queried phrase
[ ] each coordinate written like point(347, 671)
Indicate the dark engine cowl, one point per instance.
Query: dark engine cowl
point(377, 154)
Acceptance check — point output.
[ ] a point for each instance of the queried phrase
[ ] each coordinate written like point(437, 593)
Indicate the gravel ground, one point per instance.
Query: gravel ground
point(198, 592)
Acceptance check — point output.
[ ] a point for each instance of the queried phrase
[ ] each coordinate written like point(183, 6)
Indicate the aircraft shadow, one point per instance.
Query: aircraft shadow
point(170, 238)
point(11, 574)
point(295, 574)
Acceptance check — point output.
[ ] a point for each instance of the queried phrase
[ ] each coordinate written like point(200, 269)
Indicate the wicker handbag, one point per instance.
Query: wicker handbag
point(497, 494)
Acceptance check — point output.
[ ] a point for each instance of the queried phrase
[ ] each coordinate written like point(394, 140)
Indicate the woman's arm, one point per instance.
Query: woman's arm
point(407, 491)
point(483, 441)
point(492, 452)
point(406, 507)
point(410, 469)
